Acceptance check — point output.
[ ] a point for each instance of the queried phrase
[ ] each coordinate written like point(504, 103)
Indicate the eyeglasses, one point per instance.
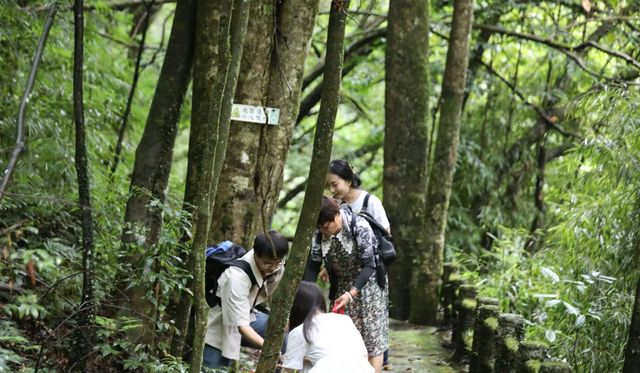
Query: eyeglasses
point(271, 265)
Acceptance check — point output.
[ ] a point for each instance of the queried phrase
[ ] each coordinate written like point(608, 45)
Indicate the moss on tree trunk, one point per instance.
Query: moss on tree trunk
point(284, 295)
point(405, 140)
point(425, 283)
point(271, 76)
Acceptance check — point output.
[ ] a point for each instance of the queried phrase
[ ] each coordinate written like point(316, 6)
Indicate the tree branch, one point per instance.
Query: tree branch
point(360, 152)
point(115, 5)
point(12, 228)
point(369, 38)
point(630, 60)
point(132, 89)
point(548, 121)
point(568, 50)
point(558, 151)
point(25, 97)
point(125, 44)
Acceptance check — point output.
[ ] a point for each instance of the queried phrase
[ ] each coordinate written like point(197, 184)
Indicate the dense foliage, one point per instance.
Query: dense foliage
point(540, 110)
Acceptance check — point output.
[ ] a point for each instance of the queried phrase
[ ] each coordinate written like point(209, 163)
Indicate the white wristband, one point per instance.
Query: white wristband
point(350, 297)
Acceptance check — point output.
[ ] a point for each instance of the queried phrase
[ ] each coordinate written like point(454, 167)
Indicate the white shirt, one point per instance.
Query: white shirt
point(335, 346)
point(374, 207)
point(237, 297)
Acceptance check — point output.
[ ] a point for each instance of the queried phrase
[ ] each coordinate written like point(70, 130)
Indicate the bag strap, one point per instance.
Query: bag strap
point(365, 204)
point(246, 268)
point(377, 261)
point(352, 229)
point(352, 225)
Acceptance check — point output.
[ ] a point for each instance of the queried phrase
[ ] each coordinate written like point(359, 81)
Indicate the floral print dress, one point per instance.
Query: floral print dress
point(346, 259)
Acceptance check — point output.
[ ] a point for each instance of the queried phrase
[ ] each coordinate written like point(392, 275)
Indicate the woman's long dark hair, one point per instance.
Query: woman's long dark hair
point(309, 301)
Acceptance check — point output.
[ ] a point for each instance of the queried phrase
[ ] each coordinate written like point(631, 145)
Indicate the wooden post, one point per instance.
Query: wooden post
point(531, 356)
point(464, 307)
point(450, 282)
point(484, 336)
point(554, 367)
point(510, 333)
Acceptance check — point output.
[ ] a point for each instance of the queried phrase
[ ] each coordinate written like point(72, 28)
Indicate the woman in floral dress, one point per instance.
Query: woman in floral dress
point(358, 282)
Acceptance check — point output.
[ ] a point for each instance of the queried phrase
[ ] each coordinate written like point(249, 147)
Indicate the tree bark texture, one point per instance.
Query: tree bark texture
point(237, 35)
point(271, 75)
point(284, 295)
point(213, 70)
point(210, 63)
point(86, 313)
point(235, 202)
point(425, 282)
point(406, 140)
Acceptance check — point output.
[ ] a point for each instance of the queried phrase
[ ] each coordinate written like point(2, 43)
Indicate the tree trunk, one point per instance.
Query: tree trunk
point(236, 202)
point(536, 238)
point(86, 313)
point(406, 140)
point(216, 63)
point(424, 285)
point(150, 177)
point(283, 297)
point(271, 75)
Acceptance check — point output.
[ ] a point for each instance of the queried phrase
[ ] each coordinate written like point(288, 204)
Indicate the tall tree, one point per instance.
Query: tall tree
point(271, 75)
point(150, 176)
point(86, 312)
point(424, 284)
point(219, 34)
point(406, 139)
point(284, 295)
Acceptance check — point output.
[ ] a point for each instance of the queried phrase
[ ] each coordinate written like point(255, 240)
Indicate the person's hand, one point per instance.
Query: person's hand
point(324, 275)
point(342, 302)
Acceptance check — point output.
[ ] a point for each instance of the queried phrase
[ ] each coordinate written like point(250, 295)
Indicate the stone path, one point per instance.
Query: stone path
point(418, 349)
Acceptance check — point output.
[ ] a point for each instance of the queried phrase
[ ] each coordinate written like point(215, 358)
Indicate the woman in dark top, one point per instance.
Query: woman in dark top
point(345, 244)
